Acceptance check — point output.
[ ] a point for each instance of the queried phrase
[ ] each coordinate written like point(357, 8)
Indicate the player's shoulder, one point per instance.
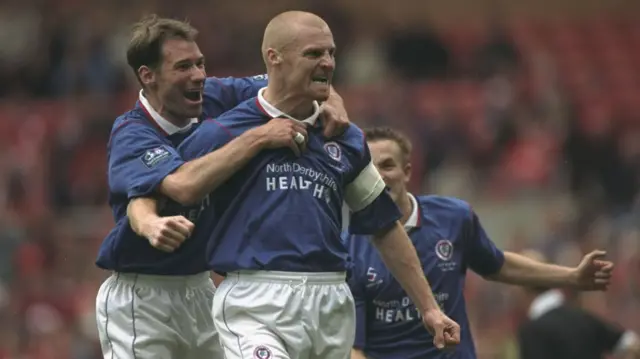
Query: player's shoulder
point(213, 83)
point(134, 115)
point(247, 112)
point(446, 205)
point(353, 138)
point(134, 121)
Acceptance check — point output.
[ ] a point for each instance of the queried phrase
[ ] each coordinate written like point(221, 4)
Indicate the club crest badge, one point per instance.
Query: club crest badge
point(444, 249)
point(333, 150)
point(262, 352)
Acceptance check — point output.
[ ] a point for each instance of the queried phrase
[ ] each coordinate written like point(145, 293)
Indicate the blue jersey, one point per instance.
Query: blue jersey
point(449, 239)
point(141, 153)
point(282, 212)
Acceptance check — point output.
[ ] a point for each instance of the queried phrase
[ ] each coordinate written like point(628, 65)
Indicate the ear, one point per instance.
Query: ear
point(147, 75)
point(273, 56)
point(407, 172)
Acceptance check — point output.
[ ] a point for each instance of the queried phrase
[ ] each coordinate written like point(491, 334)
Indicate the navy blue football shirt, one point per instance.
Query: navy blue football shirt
point(282, 212)
point(141, 153)
point(449, 239)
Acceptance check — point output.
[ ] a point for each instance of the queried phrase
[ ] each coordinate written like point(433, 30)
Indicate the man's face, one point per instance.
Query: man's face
point(308, 62)
point(179, 80)
point(395, 171)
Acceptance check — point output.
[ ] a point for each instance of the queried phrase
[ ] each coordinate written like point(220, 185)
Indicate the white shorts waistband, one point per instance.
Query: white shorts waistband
point(167, 281)
point(288, 277)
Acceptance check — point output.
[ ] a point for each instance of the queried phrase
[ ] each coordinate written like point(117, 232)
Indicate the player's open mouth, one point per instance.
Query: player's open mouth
point(320, 79)
point(193, 95)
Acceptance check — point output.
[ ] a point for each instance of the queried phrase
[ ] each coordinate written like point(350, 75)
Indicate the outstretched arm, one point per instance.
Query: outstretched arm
point(593, 273)
point(486, 259)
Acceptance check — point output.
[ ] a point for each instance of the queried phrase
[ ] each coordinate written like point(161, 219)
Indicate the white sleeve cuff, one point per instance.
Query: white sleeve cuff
point(364, 189)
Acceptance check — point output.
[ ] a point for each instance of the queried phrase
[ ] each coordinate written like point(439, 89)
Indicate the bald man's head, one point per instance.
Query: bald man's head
point(284, 29)
point(298, 51)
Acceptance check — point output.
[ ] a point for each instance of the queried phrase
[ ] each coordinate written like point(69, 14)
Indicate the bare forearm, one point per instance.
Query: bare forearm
point(521, 270)
point(195, 179)
point(400, 256)
point(140, 211)
point(357, 354)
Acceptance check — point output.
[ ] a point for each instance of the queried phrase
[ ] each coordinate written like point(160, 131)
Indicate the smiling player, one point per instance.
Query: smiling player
point(449, 240)
point(157, 303)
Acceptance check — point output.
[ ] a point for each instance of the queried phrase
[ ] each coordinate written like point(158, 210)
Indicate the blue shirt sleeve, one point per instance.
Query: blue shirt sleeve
point(381, 213)
point(223, 94)
point(481, 254)
point(208, 137)
point(139, 159)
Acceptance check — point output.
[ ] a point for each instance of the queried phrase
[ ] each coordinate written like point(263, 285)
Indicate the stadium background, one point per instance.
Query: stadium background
point(530, 110)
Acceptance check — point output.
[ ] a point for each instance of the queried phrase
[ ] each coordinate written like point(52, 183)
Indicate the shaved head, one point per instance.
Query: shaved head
point(298, 52)
point(284, 29)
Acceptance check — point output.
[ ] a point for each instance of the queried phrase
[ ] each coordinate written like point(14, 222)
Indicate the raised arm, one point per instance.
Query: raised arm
point(199, 177)
point(212, 166)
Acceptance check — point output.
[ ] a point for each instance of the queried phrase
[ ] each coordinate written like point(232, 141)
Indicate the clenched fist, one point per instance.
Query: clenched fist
point(446, 332)
point(282, 132)
point(168, 233)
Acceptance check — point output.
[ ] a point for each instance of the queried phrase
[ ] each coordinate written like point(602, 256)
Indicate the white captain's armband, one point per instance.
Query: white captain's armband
point(364, 189)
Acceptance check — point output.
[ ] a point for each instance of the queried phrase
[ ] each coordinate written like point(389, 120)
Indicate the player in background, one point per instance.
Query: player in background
point(157, 303)
point(449, 239)
point(278, 219)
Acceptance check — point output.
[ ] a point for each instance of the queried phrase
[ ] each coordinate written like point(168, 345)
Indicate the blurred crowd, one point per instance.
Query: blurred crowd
point(535, 122)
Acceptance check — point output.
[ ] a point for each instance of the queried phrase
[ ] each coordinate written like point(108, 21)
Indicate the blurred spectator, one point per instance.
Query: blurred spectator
point(417, 54)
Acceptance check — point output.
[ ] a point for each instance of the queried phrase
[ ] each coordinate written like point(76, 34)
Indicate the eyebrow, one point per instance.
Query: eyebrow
point(184, 61)
point(319, 48)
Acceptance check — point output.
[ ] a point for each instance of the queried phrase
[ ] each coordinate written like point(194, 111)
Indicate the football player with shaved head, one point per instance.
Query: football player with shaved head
point(274, 226)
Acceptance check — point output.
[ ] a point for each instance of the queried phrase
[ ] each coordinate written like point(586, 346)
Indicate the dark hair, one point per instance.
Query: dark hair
point(387, 133)
point(147, 37)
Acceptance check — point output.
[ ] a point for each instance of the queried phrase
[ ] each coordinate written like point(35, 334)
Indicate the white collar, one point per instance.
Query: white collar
point(412, 221)
point(545, 303)
point(166, 126)
point(274, 112)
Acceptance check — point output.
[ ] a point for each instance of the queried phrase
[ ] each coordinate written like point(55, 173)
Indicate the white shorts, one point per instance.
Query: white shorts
point(285, 315)
point(157, 317)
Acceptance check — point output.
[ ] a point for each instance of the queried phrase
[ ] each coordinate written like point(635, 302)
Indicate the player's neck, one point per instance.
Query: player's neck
point(406, 207)
point(294, 106)
point(157, 106)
